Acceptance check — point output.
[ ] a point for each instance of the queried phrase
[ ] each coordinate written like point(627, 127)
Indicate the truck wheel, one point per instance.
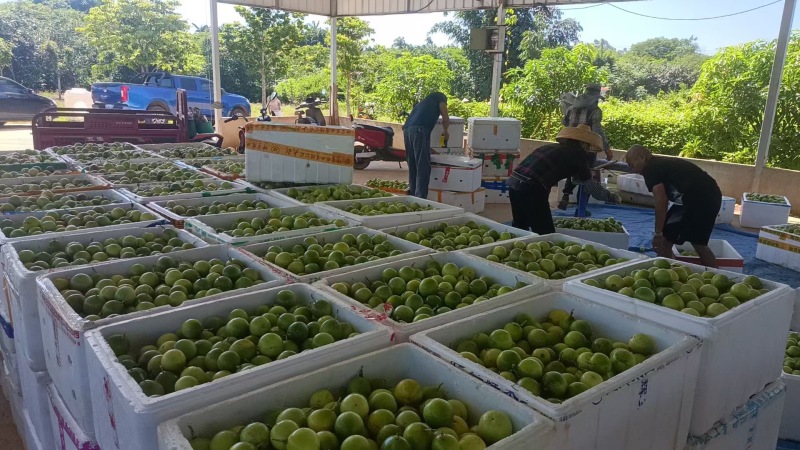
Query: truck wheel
point(238, 111)
point(157, 107)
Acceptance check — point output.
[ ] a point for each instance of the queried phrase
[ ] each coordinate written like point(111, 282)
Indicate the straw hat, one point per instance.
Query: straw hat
point(582, 133)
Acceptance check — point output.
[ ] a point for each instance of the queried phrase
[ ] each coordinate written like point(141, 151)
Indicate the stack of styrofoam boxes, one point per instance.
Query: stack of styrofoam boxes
point(777, 245)
point(756, 214)
point(727, 256)
point(495, 141)
point(646, 407)
point(299, 153)
point(455, 141)
point(456, 180)
point(738, 374)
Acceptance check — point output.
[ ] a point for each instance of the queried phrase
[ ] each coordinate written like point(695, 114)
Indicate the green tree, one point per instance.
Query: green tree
point(80, 5)
point(6, 54)
point(407, 80)
point(352, 38)
point(143, 35)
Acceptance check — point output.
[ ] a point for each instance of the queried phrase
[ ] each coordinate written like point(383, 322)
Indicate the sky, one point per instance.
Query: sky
point(619, 28)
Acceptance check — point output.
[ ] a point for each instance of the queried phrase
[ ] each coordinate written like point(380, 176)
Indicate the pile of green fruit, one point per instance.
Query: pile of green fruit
point(35, 171)
point(339, 192)
point(312, 256)
point(230, 168)
point(384, 207)
point(369, 414)
point(217, 207)
point(49, 184)
point(79, 148)
point(65, 220)
point(49, 200)
point(27, 157)
point(111, 167)
point(168, 283)
point(609, 225)
point(394, 185)
point(552, 260)
point(178, 187)
point(200, 352)
point(275, 221)
point(789, 228)
point(89, 157)
point(556, 357)
point(446, 237)
point(675, 286)
point(416, 295)
point(766, 198)
point(688, 253)
point(189, 152)
point(62, 253)
point(791, 359)
point(277, 184)
point(173, 173)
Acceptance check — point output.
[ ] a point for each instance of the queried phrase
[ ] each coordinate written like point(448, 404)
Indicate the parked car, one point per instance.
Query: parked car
point(156, 92)
point(18, 103)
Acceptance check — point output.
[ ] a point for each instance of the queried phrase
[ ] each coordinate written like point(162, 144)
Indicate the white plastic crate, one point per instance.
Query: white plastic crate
point(36, 405)
point(393, 364)
point(633, 182)
point(753, 425)
point(299, 153)
point(439, 211)
point(461, 220)
point(282, 193)
point(615, 240)
point(497, 163)
point(20, 283)
point(63, 329)
point(790, 420)
point(645, 407)
point(757, 214)
point(67, 433)
point(179, 221)
point(409, 249)
point(93, 183)
point(110, 194)
point(125, 418)
point(471, 202)
point(557, 284)
point(779, 247)
point(402, 331)
point(494, 133)
point(206, 226)
point(727, 256)
point(727, 341)
point(726, 210)
point(127, 190)
point(455, 132)
point(496, 191)
point(455, 173)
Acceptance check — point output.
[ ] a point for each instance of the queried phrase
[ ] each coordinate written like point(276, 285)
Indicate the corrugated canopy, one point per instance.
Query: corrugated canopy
point(340, 8)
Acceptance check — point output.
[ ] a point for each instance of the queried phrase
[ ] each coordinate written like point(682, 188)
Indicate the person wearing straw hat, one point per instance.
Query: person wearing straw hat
point(274, 105)
point(696, 199)
point(530, 183)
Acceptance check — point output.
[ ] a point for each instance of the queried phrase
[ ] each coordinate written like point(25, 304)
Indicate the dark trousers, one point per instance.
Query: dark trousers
point(530, 208)
point(570, 186)
point(418, 157)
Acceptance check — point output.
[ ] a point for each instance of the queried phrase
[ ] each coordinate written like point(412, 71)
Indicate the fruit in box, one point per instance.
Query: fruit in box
point(65, 220)
point(341, 192)
point(178, 187)
point(446, 237)
point(766, 198)
point(384, 208)
point(48, 184)
point(48, 201)
point(217, 207)
point(274, 221)
point(609, 225)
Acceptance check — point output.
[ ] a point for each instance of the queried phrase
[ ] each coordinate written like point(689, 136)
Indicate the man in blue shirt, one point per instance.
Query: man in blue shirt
point(417, 136)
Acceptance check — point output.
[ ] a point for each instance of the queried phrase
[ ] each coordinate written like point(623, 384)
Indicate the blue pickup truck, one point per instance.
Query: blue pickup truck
point(157, 92)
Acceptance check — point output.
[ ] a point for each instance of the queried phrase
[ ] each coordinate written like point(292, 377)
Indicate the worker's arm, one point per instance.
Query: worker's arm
point(597, 127)
point(445, 119)
point(661, 205)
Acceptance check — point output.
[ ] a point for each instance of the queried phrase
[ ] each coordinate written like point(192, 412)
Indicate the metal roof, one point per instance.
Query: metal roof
point(340, 8)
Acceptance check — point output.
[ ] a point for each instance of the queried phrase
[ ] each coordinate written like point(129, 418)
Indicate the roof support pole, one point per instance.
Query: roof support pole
point(771, 107)
point(216, 76)
point(334, 98)
point(497, 73)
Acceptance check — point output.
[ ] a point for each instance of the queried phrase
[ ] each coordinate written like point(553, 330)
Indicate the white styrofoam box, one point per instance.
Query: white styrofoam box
point(7, 344)
point(179, 220)
point(402, 331)
point(790, 421)
point(727, 256)
point(726, 210)
point(498, 163)
point(496, 191)
point(206, 226)
point(494, 133)
point(93, 183)
point(645, 407)
point(235, 188)
point(125, 418)
point(753, 425)
point(12, 390)
point(63, 329)
point(460, 220)
point(455, 134)
point(36, 404)
point(615, 253)
point(573, 198)
point(796, 315)
point(439, 211)
point(299, 153)
point(408, 249)
point(20, 283)
point(67, 433)
point(757, 214)
point(471, 202)
point(449, 150)
point(17, 219)
point(110, 194)
point(776, 246)
point(451, 177)
point(632, 182)
point(282, 193)
point(727, 340)
point(393, 364)
point(616, 240)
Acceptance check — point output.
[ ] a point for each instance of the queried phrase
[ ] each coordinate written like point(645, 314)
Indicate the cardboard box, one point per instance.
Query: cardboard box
point(494, 133)
point(455, 173)
point(473, 202)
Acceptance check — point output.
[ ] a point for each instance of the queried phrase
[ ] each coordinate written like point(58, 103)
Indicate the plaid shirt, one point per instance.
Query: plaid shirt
point(587, 116)
point(548, 165)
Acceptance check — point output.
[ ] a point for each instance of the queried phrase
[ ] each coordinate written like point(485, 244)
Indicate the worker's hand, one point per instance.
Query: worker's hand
point(615, 199)
point(660, 244)
point(609, 155)
point(446, 135)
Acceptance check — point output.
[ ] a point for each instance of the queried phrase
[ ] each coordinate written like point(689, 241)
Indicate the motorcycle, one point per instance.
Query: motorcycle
point(374, 143)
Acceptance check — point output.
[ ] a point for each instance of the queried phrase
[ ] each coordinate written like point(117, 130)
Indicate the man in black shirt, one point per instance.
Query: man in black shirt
point(530, 183)
point(696, 201)
point(417, 136)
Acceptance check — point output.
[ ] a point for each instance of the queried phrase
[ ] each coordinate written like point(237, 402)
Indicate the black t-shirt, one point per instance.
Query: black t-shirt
point(680, 178)
point(549, 164)
point(426, 113)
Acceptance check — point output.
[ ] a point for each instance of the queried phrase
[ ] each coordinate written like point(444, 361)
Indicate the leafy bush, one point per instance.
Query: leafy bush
point(658, 123)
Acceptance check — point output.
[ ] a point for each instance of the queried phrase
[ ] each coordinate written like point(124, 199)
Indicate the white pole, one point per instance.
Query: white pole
point(497, 73)
point(774, 90)
point(334, 67)
point(216, 76)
